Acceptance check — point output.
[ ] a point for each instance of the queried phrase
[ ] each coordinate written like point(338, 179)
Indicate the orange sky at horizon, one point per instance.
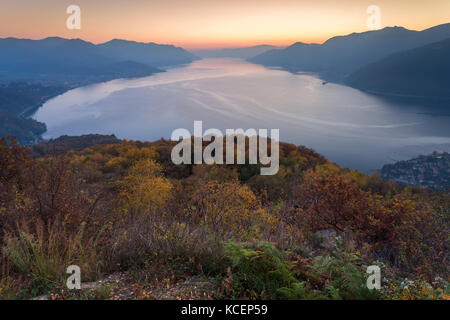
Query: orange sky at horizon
point(213, 23)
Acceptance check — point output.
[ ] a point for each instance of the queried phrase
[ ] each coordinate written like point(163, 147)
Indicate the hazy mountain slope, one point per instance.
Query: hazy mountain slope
point(49, 56)
point(423, 71)
point(242, 53)
point(148, 53)
point(31, 69)
point(57, 56)
point(17, 100)
point(299, 56)
point(340, 56)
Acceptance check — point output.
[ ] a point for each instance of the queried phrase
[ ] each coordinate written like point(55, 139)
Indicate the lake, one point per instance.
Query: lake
point(349, 127)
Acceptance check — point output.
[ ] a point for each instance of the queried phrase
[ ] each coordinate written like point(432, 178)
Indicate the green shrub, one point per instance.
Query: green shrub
point(258, 270)
point(262, 271)
point(343, 277)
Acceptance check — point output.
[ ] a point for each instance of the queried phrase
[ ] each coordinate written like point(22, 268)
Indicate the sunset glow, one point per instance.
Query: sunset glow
point(212, 23)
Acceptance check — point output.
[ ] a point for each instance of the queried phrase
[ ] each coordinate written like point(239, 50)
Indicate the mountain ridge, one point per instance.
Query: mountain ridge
point(340, 56)
point(27, 58)
point(33, 71)
point(243, 52)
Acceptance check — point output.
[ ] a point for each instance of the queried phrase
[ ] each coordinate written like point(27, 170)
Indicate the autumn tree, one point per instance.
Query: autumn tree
point(227, 207)
point(144, 190)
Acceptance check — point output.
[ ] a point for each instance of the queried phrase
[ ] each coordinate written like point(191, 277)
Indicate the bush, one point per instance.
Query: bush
point(343, 277)
point(257, 270)
point(44, 254)
point(144, 190)
point(404, 289)
point(161, 241)
point(228, 210)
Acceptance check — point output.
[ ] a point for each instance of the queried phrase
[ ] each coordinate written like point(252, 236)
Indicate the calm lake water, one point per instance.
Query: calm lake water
point(349, 127)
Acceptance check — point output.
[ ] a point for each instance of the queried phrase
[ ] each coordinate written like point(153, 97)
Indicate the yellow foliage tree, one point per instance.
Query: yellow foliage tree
point(227, 208)
point(144, 190)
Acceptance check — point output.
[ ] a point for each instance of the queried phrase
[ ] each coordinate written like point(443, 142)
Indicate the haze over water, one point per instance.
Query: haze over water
point(352, 128)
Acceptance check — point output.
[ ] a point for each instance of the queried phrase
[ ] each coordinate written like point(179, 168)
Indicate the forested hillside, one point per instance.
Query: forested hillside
point(17, 100)
point(308, 232)
point(420, 72)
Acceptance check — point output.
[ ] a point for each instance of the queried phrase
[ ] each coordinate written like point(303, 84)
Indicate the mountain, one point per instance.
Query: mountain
point(33, 71)
point(242, 53)
point(50, 57)
point(423, 72)
point(153, 54)
point(340, 56)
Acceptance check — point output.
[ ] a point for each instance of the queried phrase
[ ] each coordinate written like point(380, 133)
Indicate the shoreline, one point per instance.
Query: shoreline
point(31, 110)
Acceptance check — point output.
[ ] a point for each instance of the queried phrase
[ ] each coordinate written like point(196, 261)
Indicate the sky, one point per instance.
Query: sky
point(196, 24)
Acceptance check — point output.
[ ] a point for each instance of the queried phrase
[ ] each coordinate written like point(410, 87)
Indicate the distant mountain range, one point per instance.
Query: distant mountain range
point(33, 71)
point(24, 58)
point(242, 53)
point(156, 55)
point(339, 57)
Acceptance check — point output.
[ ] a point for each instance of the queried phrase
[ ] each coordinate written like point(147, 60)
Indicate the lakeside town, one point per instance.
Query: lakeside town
point(431, 171)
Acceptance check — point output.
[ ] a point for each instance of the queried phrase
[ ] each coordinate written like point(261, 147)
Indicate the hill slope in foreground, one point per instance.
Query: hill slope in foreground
point(123, 208)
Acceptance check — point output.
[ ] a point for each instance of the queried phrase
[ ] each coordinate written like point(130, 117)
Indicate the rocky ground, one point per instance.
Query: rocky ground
point(121, 286)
